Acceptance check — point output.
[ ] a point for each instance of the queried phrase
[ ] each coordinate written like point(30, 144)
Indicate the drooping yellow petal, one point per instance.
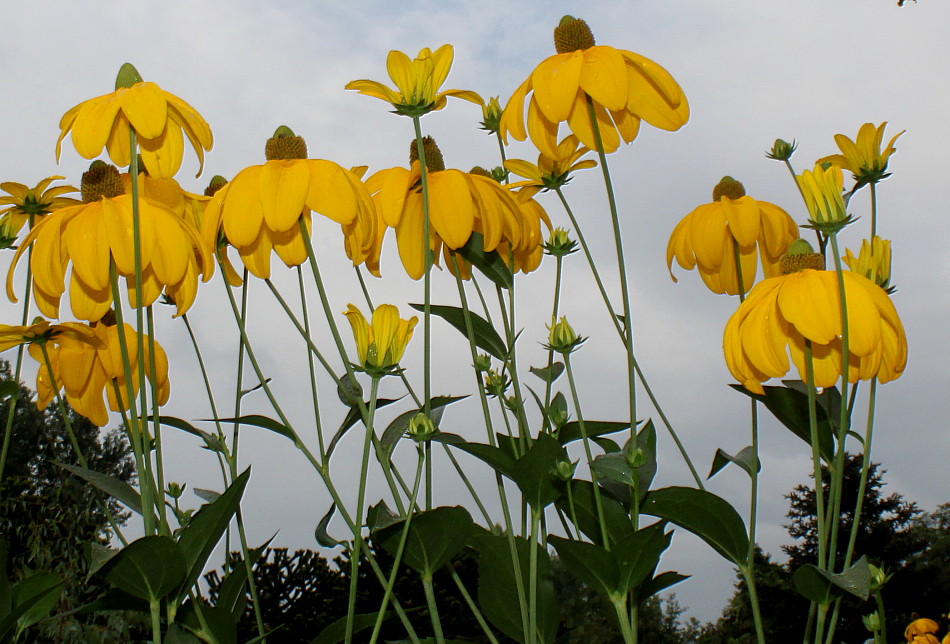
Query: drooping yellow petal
point(145, 106)
point(556, 81)
point(604, 77)
point(283, 191)
point(332, 193)
point(162, 155)
point(242, 213)
point(451, 209)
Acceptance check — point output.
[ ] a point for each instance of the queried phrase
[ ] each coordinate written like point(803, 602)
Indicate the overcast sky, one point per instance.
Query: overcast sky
point(752, 71)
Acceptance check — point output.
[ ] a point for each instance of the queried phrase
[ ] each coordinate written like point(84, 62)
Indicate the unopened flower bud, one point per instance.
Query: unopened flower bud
point(483, 362)
point(872, 622)
point(562, 338)
point(559, 243)
point(781, 150)
point(491, 115)
point(564, 470)
point(421, 428)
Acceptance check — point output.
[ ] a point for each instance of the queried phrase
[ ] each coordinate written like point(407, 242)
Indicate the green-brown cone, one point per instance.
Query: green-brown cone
point(217, 182)
point(285, 145)
point(434, 160)
point(801, 255)
point(127, 76)
point(572, 34)
point(101, 180)
point(480, 171)
point(728, 187)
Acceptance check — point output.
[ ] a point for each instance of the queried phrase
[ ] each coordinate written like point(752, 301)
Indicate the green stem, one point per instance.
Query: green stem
point(873, 212)
point(24, 319)
point(533, 577)
point(152, 370)
point(548, 385)
point(819, 487)
point(433, 608)
point(749, 575)
point(623, 619)
point(865, 471)
point(311, 369)
point(472, 606)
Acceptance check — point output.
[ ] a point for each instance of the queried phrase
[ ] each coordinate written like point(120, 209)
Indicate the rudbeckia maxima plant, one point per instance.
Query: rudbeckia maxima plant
point(161, 122)
point(380, 344)
point(417, 82)
point(260, 210)
point(96, 235)
point(864, 158)
point(782, 313)
point(460, 203)
point(734, 224)
point(86, 368)
point(622, 87)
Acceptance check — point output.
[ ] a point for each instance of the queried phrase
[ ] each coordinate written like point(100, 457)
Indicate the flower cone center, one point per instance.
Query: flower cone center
point(101, 180)
point(728, 187)
point(480, 171)
point(572, 34)
point(800, 256)
point(434, 160)
point(285, 145)
point(217, 182)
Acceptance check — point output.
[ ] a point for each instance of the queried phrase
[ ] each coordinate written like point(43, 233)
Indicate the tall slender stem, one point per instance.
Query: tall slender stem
point(11, 410)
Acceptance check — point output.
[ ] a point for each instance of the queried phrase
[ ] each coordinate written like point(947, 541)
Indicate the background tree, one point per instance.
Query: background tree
point(49, 518)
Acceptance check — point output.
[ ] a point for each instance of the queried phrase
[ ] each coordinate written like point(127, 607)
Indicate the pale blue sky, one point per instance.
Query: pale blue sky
point(752, 71)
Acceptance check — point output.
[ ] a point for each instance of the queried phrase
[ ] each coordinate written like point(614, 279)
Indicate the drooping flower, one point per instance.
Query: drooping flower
point(41, 332)
point(460, 203)
point(623, 88)
point(551, 173)
point(709, 237)
point(781, 313)
point(86, 370)
point(864, 158)
point(822, 190)
point(921, 626)
point(260, 210)
point(97, 234)
point(417, 82)
point(381, 344)
point(161, 122)
point(874, 261)
point(21, 203)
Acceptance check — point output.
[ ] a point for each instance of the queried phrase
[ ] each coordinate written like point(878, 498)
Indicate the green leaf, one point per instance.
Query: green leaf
point(646, 444)
point(379, 516)
point(264, 423)
point(745, 459)
point(108, 484)
point(592, 564)
point(486, 338)
point(321, 535)
point(614, 467)
point(497, 459)
point(658, 584)
point(336, 632)
point(549, 374)
point(354, 416)
point(211, 441)
point(38, 595)
point(215, 624)
point(96, 557)
point(435, 536)
point(490, 264)
point(115, 599)
point(202, 534)
point(397, 428)
point(822, 586)
point(790, 407)
point(498, 590)
point(572, 431)
point(606, 444)
point(149, 568)
point(709, 517)
point(534, 472)
point(638, 554)
point(177, 635)
point(584, 507)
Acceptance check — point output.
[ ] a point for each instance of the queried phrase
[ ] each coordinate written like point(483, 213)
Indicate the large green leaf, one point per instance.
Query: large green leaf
point(215, 624)
point(495, 457)
point(211, 441)
point(592, 564)
point(486, 338)
point(790, 407)
point(638, 554)
point(582, 505)
point(498, 594)
point(572, 431)
point(264, 423)
point(149, 568)
point(202, 534)
point(35, 597)
point(490, 264)
point(658, 584)
point(709, 517)
point(821, 586)
point(746, 459)
point(534, 472)
point(110, 485)
point(336, 631)
point(435, 536)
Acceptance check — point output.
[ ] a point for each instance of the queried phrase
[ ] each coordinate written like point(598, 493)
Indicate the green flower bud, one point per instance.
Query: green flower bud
point(559, 243)
point(421, 428)
point(781, 150)
point(562, 338)
point(565, 469)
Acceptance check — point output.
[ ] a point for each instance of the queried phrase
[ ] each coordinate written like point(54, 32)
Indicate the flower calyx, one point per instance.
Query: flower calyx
point(421, 428)
point(559, 243)
point(562, 338)
point(572, 34)
point(100, 181)
point(801, 255)
point(782, 150)
point(285, 145)
point(728, 187)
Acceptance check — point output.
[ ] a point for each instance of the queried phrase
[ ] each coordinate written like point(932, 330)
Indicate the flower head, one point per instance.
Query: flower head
point(381, 343)
point(922, 626)
point(734, 223)
point(864, 158)
point(21, 203)
point(874, 261)
point(417, 82)
point(782, 313)
point(621, 87)
point(781, 150)
point(42, 332)
point(551, 173)
point(160, 120)
point(86, 363)
point(261, 208)
point(562, 338)
point(491, 115)
point(822, 191)
point(97, 234)
point(460, 203)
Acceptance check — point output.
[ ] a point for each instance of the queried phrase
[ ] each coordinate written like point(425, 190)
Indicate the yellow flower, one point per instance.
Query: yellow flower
point(864, 158)
point(460, 203)
point(551, 173)
point(622, 86)
point(709, 236)
point(22, 203)
point(261, 208)
point(41, 332)
point(822, 190)
point(922, 626)
point(161, 121)
point(380, 345)
point(924, 639)
point(85, 370)
point(98, 234)
point(491, 115)
point(781, 313)
point(417, 82)
point(874, 261)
